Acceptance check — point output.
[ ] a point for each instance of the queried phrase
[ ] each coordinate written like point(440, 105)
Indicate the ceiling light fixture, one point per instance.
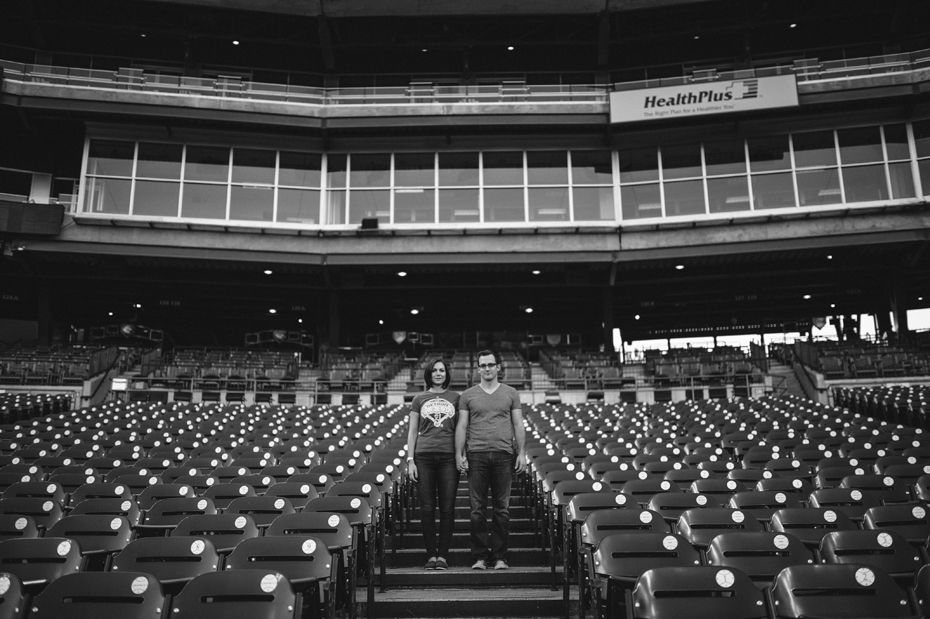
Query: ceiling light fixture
point(268, 271)
point(272, 311)
point(402, 274)
point(414, 311)
point(679, 266)
point(807, 296)
point(510, 48)
point(235, 42)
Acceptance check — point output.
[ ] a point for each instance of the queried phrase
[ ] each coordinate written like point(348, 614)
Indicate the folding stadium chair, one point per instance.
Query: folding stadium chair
point(761, 555)
point(619, 559)
point(911, 521)
point(304, 560)
point(262, 509)
point(224, 530)
point(386, 482)
point(370, 493)
point(700, 526)
point(642, 490)
point(886, 550)
point(763, 505)
point(158, 492)
point(173, 561)
point(98, 491)
point(671, 505)
point(47, 490)
point(13, 526)
point(851, 501)
point(558, 501)
point(838, 592)
point(321, 481)
point(132, 595)
point(298, 493)
point(922, 591)
point(697, 593)
point(245, 594)
point(224, 494)
point(885, 488)
point(810, 524)
point(99, 537)
point(36, 562)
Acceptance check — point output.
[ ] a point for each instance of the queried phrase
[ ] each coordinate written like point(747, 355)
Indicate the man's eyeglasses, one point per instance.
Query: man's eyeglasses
point(487, 366)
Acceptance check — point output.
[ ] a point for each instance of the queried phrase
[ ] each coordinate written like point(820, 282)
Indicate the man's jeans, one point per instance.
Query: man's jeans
point(437, 476)
point(490, 470)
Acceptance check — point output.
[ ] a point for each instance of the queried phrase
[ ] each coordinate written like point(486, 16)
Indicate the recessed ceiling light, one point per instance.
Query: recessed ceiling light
point(142, 35)
point(793, 26)
point(510, 48)
point(537, 272)
point(423, 50)
point(235, 42)
point(268, 271)
point(109, 313)
point(696, 37)
point(380, 322)
point(529, 310)
point(636, 317)
point(679, 266)
point(402, 273)
point(829, 256)
point(414, 311)
point(807, 296)
point(272, 311)
point(832, 305)
point(300, 320)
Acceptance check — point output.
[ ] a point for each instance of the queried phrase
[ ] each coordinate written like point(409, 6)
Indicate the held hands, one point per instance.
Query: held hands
point(461, 463)
point(412, 470)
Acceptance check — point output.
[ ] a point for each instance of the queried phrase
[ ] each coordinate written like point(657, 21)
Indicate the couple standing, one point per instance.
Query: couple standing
point(479, 432)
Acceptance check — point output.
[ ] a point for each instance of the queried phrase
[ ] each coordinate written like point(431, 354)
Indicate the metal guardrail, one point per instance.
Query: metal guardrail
point(419, 93)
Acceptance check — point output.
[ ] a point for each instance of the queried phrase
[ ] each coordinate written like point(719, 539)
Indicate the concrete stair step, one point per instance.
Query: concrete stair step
point(518, 539)
point(462, 524)
point(468, 602)
point(464, 576)
point(461, 558)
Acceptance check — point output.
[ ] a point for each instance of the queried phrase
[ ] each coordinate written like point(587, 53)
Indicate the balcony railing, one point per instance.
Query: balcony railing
point(420, 93)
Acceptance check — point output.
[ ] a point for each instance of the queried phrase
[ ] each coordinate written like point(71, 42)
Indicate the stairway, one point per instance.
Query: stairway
point(524, 590)
point(792, 385)
point(540, 378)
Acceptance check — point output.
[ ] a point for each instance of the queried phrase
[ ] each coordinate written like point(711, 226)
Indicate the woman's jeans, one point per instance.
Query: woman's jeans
point(490, 470)
point(437, 476)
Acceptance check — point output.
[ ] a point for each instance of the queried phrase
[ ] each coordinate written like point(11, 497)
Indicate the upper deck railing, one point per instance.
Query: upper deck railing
point(420, 93)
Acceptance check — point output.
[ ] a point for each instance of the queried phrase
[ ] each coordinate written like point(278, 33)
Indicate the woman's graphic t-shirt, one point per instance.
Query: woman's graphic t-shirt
point(438, 414)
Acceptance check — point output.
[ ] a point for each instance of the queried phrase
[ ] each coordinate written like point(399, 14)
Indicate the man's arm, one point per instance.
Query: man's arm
point(519, 435)
point(461, 430)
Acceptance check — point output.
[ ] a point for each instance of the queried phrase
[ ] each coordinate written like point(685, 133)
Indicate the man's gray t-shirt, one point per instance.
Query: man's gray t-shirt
point(490, 425)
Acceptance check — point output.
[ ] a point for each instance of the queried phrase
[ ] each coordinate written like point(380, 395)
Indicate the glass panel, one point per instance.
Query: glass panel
point(503, 169)
point(415, 206)
point(814, 149)
point(924, 167)
point(110, 158)
point(640, 164)
point(922, 138)
point(207, 163)
point(593, 203)
point(773, 190)
point(458, 205)
point(641, 201)
point(298, 206)
point(253, 166)
point(865, 183)
point(204, 201)
point(365, 204)
point(336, 207)
point(301, 169)
point(414, 169)
point(547, 168)
point(902, 181)
point(769, 153)
point(725, 195)
point(725, 157)
point(503, 205)
point(819, 187)
point(548, 204)
point(860, 145)
point(896, 142)
point(156, 199)
point(681, 161)
point(592, 167)
point(159, 161)
point(370, 171)
point(108, 195)
point(336, 170)
point(458, 169)
point(252, 203)
point(685, 198)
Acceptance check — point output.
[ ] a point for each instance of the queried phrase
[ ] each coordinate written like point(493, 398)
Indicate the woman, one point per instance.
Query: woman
point(431, 459)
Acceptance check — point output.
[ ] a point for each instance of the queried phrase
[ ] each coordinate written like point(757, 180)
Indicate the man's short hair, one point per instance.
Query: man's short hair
point(485, 353)
point(428, 372)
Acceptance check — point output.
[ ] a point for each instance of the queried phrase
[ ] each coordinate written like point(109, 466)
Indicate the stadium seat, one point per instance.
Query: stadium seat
point(697, 593)
point(761, 555)
point(701, 526)
point(810, 524)
point(245, 594)
point(36, 562)
point(886, 550)
point(224, 530)
point(99, 536)
point(262, 509)
point(173, 561)
point(129, 595)
point(911, 521)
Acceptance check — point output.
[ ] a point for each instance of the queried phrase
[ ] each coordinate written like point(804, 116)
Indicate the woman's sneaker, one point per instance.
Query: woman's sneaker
point(479, 565)
point(441, 564)
point(501, 565)
point(431, 564)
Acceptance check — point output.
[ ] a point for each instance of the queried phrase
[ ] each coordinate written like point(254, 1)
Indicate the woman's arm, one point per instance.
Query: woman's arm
point(412, 433)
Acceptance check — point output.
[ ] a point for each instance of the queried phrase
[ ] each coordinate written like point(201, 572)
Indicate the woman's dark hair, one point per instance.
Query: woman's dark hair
point(428, 372)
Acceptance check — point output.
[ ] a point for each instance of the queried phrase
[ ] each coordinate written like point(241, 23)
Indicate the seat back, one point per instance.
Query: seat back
point(97, 534)
point(838, 591)
point(761, 555)
point(88, 595)
point(300, 558)
point(697, 593)
point(224, 530)
point(169, 559)
point(625, 556)
point(332, 529)
point(911, 521)
point(601, 523)
point(887, 550)
point(262, 509)
point(40, 560)
point(256, 594)
point(700, 526)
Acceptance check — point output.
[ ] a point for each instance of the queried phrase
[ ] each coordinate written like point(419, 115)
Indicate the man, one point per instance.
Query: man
point(490, 428)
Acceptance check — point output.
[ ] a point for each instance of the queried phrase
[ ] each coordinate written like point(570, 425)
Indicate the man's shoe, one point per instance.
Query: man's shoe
point(479, 565)
point(441, 564)
point(431, 564)
point(501, 565)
